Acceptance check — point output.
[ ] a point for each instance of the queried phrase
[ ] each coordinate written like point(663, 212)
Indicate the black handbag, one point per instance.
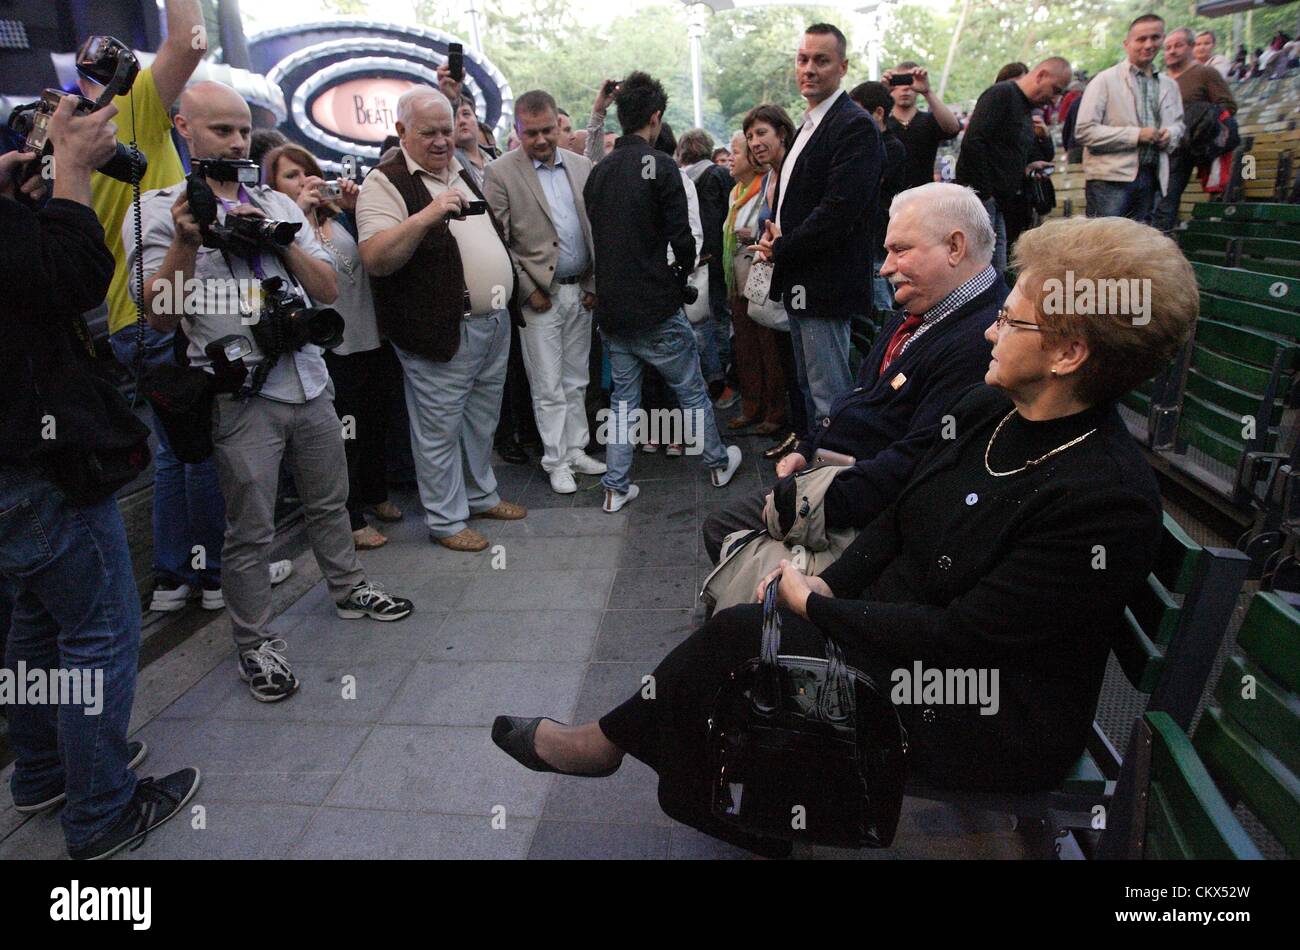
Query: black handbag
point(806, 748)
point(1041, 193)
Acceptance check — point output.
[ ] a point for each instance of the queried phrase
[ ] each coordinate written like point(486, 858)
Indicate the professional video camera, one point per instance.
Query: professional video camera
point(286, 324)
point(241, 235)
point(107, 61)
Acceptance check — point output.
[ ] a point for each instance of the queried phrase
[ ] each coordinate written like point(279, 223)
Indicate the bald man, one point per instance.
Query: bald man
point(290, 416)
point(1001, 148)
point(445, 292)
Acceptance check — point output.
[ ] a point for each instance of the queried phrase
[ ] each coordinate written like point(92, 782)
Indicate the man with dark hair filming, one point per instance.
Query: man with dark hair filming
point(70, 442)
point(262, 342)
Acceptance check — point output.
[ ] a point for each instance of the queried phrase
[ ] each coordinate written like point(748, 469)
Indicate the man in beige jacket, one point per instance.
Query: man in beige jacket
point(1130, 119)
point(535, 191)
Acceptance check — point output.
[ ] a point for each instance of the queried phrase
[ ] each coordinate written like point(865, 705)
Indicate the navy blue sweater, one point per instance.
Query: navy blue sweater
point(887, 429)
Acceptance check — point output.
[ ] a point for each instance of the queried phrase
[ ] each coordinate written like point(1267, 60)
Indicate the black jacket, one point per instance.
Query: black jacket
point(996, 148)
point(827, 216)
point(637, 207)
point(892, 181)
point(888, 429)
point(1026, 574)
point(56, 267)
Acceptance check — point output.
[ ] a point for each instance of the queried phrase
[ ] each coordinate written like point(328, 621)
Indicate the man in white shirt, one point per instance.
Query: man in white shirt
point(1204, 52)
point(444, 287)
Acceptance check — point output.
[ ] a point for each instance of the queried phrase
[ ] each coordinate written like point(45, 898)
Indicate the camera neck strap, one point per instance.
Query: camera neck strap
point(244, 198)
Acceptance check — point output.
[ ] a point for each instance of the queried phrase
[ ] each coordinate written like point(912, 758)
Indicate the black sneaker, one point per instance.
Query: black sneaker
point(156, 800)
point(267, 672)
point(370, 600)
point(135, 751)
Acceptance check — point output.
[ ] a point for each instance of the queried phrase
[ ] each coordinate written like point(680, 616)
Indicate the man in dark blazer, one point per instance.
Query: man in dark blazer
point(820, 237)
point(939, 244)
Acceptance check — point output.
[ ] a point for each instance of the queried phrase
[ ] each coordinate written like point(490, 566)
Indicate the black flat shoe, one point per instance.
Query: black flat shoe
point(784, 447)
point(516, 737)
point(513, 453)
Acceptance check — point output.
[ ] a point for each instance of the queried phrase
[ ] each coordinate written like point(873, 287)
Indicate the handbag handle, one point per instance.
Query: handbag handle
point(836, 702)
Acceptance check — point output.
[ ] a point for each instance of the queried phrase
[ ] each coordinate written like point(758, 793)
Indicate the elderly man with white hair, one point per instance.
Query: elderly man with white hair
point(445, 294)
point(939, 249)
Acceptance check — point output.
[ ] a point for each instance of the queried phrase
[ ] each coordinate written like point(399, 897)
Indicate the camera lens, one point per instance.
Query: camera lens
point(324, 326)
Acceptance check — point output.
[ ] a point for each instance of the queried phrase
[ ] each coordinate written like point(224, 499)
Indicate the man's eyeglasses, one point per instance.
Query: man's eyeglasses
point(1004, 320)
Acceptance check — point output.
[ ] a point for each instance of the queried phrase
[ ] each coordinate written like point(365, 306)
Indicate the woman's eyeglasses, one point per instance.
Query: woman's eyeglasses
point(1004, 320)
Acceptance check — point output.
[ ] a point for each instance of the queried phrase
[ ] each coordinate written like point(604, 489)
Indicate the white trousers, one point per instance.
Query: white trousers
point(556, 344)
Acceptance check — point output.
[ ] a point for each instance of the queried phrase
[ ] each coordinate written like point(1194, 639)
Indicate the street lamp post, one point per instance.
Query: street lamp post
point(695, 33)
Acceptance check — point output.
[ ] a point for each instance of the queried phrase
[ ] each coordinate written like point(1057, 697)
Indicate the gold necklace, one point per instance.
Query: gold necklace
point(1038, 461)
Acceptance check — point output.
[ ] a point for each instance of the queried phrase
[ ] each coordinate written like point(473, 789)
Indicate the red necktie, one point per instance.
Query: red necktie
point(901, 336)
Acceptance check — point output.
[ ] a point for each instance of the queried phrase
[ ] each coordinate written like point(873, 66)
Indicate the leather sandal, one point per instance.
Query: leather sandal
point(784, 447)
point(385, 511)
point(767, 428)
point(467, 539)
point(517, 737)
point(367, 538)
point(503, 511)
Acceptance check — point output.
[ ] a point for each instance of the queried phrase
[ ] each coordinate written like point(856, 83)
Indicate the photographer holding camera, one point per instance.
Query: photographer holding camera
point(70, 443)
point(234, 237)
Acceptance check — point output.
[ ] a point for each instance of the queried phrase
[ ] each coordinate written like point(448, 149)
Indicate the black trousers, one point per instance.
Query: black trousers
point(516, 422)
point(744, 515)
point(798, 415)
point(363, 384)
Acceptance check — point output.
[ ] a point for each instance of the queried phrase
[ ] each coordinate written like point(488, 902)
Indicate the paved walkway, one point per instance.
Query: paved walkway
point(385, 751)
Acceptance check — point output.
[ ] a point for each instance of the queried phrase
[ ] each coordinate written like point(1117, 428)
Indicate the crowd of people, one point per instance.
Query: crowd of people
point(979, 460)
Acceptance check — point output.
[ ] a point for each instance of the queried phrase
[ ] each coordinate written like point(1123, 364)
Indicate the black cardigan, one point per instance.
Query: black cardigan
point(1028, 574)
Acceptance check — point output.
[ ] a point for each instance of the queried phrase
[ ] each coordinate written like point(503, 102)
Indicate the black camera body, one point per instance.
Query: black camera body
point(690, 294)
point(286, 324)
point(241, 235)
point(107, 61)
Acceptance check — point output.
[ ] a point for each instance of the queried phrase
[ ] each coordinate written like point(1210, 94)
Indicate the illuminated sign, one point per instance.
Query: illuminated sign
point(363, 110)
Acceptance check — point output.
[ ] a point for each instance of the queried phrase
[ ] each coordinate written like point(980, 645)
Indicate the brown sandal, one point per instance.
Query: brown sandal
point(367, 538)
point(467, 539)
point(503, 511)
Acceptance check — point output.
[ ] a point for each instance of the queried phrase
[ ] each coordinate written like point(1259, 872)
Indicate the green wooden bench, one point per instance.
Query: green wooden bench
point(1236, 379)
point(1172, 633)
point(1245, 749)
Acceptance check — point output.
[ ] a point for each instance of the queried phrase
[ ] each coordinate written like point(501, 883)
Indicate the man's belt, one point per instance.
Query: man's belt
point(569, 280)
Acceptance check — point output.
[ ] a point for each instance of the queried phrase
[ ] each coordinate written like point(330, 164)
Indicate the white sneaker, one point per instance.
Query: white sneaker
point(169, 599)
point(721, 476)
point(616, 500)
point(584, 464)
point(562, 482)
point(280, 571)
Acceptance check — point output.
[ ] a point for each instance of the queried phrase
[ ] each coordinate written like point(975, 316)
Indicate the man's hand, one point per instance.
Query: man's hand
point(604, 96)
point(796, 586)
point(1040, 127)
point(763, 249)
point(1147, 135)
point(184, 224)
point(538, 302)
point(10, 165)
point(794, 462)
point(1162, 138)
point(589, 300)
point(447, 86)
point(449, 204)
point(920, 81)
point(82, 141)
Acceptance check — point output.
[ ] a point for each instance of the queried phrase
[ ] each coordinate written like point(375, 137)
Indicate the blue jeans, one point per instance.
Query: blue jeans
point(670, 348)
point(826, 374)
point(76, 608)
point(706, 341)
point(1124, 199)
point(882, 291)
point(999, 235)
point(1180, 172)
point(188, 508)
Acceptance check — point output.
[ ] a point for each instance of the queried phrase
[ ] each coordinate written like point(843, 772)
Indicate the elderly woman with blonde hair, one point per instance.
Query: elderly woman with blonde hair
point(1013, 550)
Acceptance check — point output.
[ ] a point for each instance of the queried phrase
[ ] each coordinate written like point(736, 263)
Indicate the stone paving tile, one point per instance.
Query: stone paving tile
point(455, 770)
point(351, 833)
point(655, 587)
point(541, 590)
point(237, 830)
point(570, 840)
point(473, 694)
point(542, 636)
point(642, 636)
point(563, 523)
point(275, 762)
point(330, 639)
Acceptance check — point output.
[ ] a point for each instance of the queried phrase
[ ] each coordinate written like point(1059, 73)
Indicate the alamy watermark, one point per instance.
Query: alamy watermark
point(38, 687)
point(922, 686)
point(1086, 296)
point(625, 426)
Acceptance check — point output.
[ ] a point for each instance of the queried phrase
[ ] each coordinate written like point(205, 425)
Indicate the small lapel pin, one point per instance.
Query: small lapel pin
point(897, 381)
